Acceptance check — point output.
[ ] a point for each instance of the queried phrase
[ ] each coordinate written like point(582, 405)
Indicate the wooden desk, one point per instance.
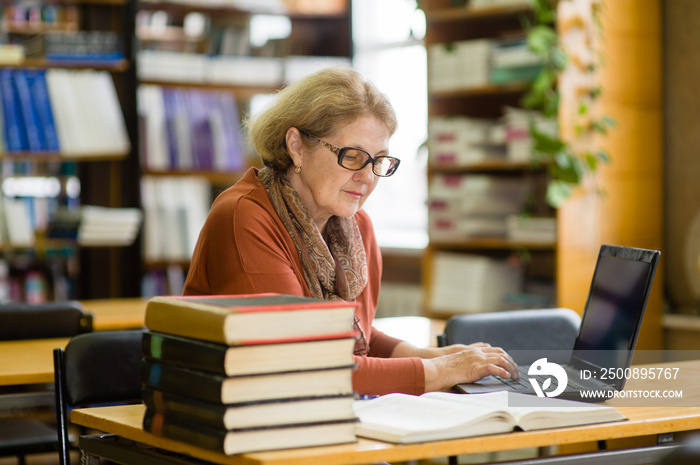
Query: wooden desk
point(115, 314)
point(28, 361)
point(31, 361)
point(125, 421)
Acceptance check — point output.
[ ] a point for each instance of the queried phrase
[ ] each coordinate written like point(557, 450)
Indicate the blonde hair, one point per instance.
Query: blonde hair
point(319, 104)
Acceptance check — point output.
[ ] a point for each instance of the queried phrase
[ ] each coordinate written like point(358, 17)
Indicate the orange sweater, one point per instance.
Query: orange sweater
point(244, 248)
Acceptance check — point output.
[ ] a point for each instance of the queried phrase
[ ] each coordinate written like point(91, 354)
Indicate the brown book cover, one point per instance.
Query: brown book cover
point(248, 319)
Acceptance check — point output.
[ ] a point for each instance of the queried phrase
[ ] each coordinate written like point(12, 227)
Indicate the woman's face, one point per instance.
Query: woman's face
point(325, 187)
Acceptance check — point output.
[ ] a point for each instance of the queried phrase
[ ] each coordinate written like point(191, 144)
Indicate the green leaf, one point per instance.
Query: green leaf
point(568, 168)
point(603, 156)
point(531, 100)
point(599, 126)
point(545, 143)
point(557, 193)
point(609, 121)
point(559, 59)
point(541, 39)
point(582, 108)
point(591, 160)
point(544, 11)
point(544, 81)
point(562, 160)
point(550, 108)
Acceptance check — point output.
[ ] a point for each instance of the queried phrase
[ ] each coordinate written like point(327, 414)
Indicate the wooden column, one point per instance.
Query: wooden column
point(631, 210)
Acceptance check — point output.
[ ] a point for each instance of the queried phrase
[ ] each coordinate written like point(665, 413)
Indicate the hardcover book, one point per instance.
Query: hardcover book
point(249, 439)
point(248, 319)
point(312, 353)
point(234, 389)
point(434, 416)
point(251, 414)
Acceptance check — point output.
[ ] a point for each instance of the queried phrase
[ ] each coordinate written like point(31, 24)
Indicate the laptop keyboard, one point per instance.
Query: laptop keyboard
point(523, 384)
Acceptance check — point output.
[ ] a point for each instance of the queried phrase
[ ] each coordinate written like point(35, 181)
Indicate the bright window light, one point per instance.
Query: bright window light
point(389, 54)
point(31, 186)
point(268, 27)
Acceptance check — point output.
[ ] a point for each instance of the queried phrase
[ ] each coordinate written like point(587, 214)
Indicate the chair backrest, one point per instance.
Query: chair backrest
point(546, 332)
point(45, 320)
point(96, 368)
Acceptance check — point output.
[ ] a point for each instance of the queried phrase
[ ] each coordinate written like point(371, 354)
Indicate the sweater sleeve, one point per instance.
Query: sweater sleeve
point(377, 376)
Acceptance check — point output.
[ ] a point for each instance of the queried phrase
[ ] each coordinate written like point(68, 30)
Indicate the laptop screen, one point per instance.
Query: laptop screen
point(615, 306)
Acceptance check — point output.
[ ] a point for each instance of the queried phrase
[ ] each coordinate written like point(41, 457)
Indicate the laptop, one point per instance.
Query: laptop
point(604, 346)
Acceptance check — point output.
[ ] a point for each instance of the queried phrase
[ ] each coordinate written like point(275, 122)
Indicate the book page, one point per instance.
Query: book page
point(531, 412)
point(407, 418)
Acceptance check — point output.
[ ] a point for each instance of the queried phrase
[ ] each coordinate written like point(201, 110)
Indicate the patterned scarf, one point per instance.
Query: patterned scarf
point(333, 271)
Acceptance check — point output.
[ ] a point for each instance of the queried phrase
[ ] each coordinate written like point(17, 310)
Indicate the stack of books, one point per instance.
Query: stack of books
point(247, 373)
point(175, 209)
point(459, 65)
point(103, 226)
point(474, 206)
point(460, 141)
point(514, 61)
point(467, 283)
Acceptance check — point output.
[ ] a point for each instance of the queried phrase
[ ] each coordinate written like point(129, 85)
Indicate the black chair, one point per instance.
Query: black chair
point(22, 435)
point(95, 369)
point(43, 321)
point(528, 334)
point(546, 332)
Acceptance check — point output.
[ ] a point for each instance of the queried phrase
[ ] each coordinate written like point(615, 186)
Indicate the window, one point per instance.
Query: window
point(389, 51)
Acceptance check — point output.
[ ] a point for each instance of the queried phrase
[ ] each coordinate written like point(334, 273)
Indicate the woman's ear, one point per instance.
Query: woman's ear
point(294, 145)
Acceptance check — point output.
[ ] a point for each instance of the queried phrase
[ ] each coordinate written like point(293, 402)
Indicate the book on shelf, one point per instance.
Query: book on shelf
point(33, 134)
point(327, 351)
point(175, 209)
point(514, 61)
point(18, 222)
point(11, 54)
point(459, 65)
point(456, 141)
point(250, 414)
point(189, 129)
point(214, 388)
point(468, 283)
point(87, 113)
point(42, 102)
point(542, 230)
point(15, 139)
point(402, 418)
point(102, 226)
point(251, 439)
point(163, 281)
point(83, 47)
point(237, 319)
point(154, 143)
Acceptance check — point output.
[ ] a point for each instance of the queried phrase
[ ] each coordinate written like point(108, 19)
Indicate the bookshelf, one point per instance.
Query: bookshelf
point(190, 52)
point(77, 43)
point(480, 177)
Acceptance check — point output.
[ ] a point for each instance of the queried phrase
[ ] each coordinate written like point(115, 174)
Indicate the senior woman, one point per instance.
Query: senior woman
point(296, 227)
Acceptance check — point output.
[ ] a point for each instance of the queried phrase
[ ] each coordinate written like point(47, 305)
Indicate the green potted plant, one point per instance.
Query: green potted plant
point(567, 165)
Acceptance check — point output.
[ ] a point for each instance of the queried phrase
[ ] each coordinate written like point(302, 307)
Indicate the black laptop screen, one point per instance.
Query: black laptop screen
point(615, 306)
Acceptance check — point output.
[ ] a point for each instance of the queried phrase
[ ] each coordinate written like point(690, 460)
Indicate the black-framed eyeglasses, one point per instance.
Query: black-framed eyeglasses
point(354, 159)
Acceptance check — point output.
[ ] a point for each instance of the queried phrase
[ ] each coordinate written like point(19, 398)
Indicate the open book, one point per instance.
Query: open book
point(433, 416)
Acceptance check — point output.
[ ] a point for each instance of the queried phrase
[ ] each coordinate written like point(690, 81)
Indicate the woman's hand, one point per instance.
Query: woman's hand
point(467, 364)
point(459, 363)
